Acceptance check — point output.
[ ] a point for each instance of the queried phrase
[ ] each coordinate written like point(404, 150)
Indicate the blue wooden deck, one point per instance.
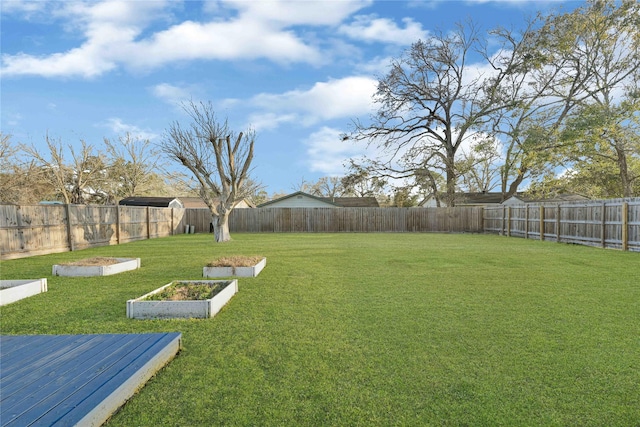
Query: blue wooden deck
point(66, 380)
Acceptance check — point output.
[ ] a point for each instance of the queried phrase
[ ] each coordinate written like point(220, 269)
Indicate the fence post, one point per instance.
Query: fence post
point(117, 224)
point(603, 227)
point(558, 223)
point(69, 228)
point(541, 222)
point(502, 226)
point(526, 221)
point(625, 226)
point(173, 229)
point(508, 221)
point(148, 224)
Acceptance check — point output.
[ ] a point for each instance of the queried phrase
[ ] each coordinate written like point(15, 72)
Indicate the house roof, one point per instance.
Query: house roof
point(292, 195)
point(160, 202)
point(564, 197)
point(353, 202)
point(478, 198)
point(193, 202)
point(343, 202)
point(198, 203)
point(482, 198)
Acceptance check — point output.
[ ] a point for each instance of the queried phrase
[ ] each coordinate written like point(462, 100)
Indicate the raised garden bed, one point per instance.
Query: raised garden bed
point(235, 267)
point(204, 299)
point(15, 290)
point(99, 266)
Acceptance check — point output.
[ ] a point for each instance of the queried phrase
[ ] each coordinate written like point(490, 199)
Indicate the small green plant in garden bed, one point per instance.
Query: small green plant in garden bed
point(235, 261)
point(181, 291)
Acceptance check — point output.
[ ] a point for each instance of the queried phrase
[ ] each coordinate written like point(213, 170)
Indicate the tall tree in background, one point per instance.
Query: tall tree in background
point(479, 166)
point(432, 101)
point(133, 165)
point(362, 183)
point(217, 157)
point(606, 126)
point(78, 181)
point(573, 64)
point(22, 180)
point(328, 186)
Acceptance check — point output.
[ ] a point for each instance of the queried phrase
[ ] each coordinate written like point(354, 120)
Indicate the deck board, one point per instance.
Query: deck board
point(51, 380)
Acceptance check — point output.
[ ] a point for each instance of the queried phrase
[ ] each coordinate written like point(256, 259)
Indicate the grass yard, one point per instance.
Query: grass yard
point(371, 329)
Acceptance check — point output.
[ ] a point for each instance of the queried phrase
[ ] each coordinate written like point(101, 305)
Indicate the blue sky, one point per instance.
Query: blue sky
point(298, 72)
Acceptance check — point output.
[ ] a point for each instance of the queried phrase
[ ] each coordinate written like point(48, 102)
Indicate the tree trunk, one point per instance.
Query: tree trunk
point(451, 185)
point(221, 227)
point(623, 171)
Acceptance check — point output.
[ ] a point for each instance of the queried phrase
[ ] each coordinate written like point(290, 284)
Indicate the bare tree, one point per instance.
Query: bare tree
point(133, 163)
point(217, 157)
point(431, 102)
point(303, 185)
point(23, 181)
point(78, 181)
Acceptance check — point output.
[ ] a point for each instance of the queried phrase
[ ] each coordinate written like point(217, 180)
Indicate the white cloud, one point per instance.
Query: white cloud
point(269, 121)
point(378, 66)
point(337, 98)
point(119, 127)
point(370, 29)
point(237, 39)
point(327, 153)
point(14, 119)
point(296, 12)
point(22, 6)
point(112, 31)
point(171, 94)
point(109, 27)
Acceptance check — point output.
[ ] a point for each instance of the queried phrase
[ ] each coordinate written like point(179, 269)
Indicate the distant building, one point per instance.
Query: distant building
point(520, 199)
point(176, 202)
point(158, 202)
point(301, 199)
point(495, 198)
point(198, 203)
point(466, 199)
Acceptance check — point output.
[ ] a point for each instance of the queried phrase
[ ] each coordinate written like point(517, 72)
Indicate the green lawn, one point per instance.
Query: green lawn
point(371, 329)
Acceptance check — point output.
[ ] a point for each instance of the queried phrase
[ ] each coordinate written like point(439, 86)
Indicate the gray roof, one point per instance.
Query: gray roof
point(353, 202)
point(342, 202)
point(160, 202)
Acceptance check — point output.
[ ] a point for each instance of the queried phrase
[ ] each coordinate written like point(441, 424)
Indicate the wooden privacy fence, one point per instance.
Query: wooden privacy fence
point(43, 229)
point(605, 223)
point(363, 220)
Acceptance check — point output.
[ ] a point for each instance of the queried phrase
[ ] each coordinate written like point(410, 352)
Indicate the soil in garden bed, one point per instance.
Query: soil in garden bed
point(188, 291)
point(236, 261)
point(95, 261)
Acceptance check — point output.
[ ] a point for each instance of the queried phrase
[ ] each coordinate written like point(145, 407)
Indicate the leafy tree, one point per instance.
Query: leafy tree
point(362, 183)
point(218, 158)
point(402, 197)
point(607, 144)
point(479, 167)
point(570, 62)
